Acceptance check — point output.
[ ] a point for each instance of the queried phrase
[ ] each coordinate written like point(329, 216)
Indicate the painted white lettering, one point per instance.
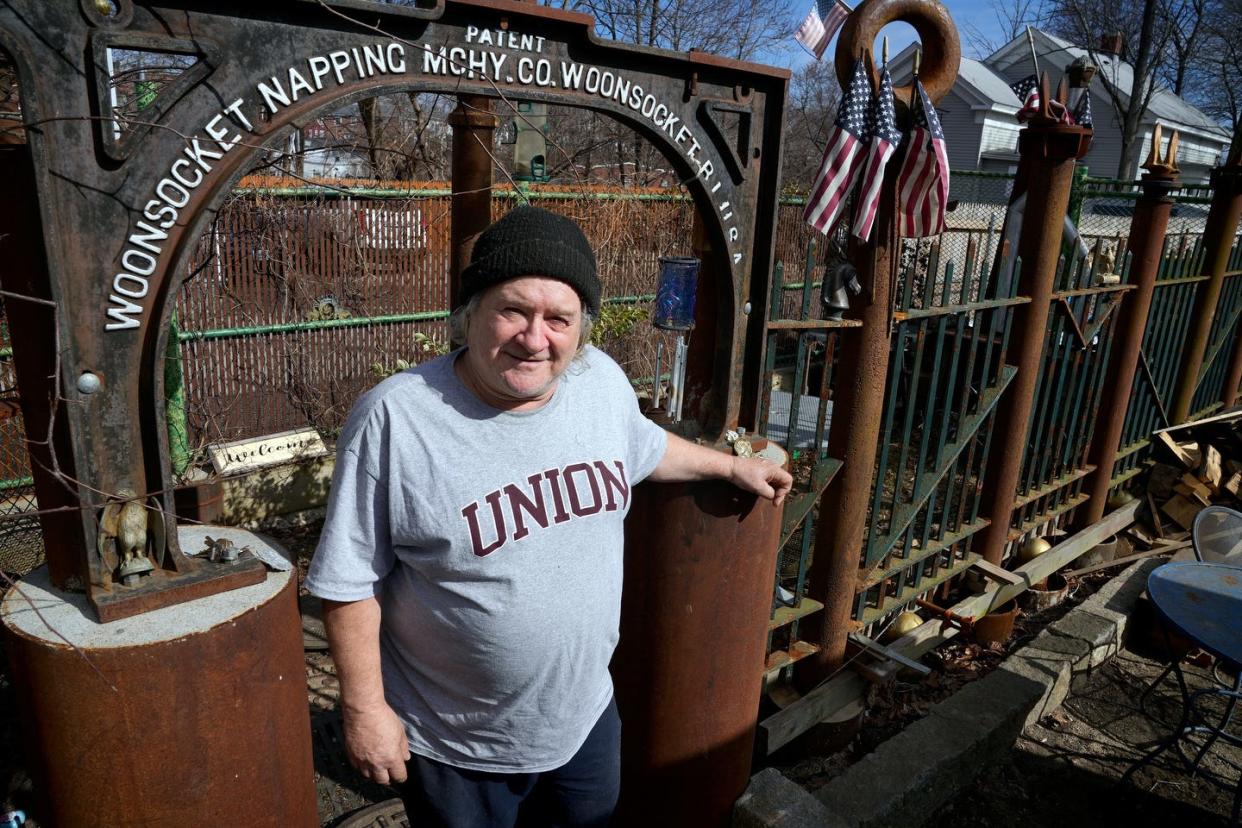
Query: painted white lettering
point(396, 57)
point(146, 236)
point(695, 146)
point(539, 43)
point(234, 109)
point(716, 186)
point(362, 73)
point(623, 90)
point(571, 75)
point(649, 105)
point(525, 70)
point(273, 98)
point(592, 80)
point(374, 59)
point(476, 62)
point(434, 62)
point(121, 281)
point(162, 190)
point(636, 98)
point(607, 85)
point(543, 73)
point(660, 112)
point(732, 234)
point(682, 134)
point(668, 124)
point(706, 169)
point(497, 62)
point(319, 68)
point(125, 313)
point(196, 151)
point(340, 60)
point(176, 173)
point(485, 37)
point(457, 60)
point(218, 132)
point(527, 43)
point(137, 262)
point(296, 82)
point(162, 214)
point(471, 33)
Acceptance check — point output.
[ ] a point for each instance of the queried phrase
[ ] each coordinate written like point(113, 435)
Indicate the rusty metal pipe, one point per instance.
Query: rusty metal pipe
point(1146, 244)
point(688, 671)
point(473, 128)
point(1048, 152)
point(1222, 223)
point(196, 717)
point(858, 403)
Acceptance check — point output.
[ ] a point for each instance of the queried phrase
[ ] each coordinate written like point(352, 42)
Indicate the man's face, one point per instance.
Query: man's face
point(521, 339)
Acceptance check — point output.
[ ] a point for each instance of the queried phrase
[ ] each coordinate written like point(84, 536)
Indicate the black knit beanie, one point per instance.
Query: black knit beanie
point(530, 241)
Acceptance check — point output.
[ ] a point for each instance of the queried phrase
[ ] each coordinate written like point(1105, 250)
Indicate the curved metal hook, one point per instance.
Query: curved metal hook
point(942, 49)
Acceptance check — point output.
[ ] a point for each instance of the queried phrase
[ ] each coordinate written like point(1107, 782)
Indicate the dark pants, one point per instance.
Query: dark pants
point(582, 793)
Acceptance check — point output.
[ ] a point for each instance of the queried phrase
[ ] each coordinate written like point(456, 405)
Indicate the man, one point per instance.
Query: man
point(470, 563)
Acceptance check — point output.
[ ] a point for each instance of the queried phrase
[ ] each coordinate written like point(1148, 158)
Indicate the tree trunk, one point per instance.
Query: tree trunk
point(1140, 95)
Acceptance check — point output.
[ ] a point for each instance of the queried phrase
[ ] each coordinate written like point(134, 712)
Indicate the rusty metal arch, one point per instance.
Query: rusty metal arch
point(92, 192)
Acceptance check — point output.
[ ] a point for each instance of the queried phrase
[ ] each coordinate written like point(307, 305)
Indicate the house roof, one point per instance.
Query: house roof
point(1164, 106)
point(974, 78)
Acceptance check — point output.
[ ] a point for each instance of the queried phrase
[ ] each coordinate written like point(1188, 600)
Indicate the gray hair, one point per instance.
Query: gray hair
point(459, 322)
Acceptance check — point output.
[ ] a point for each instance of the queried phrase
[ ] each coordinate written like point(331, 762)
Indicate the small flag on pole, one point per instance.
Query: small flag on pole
point(1027, 91)
point(1082, 111)
point(821, 23)
point(844, 156)
point(923, 183)
point(884, 140)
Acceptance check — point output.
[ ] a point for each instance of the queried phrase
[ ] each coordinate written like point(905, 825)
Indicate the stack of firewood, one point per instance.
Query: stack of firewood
point(1195, 465)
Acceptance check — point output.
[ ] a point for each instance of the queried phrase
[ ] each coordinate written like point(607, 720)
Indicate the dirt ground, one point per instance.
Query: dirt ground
point(1064, 772)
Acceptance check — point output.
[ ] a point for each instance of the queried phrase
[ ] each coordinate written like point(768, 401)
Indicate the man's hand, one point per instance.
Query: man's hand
point(762, 477)
point(376, 745)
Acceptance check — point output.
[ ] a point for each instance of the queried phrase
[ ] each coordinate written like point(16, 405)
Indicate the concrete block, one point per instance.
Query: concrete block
point(909, 776)
point(1120, 594)
point(772, 801)
point(1049, 670)
point(999, 702)
point(1099, 632)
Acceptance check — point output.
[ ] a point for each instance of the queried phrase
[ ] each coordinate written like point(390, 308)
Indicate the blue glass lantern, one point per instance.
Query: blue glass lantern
point(675, 292)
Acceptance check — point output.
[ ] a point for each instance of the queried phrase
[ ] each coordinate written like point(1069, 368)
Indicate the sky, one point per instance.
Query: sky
point(900, 35)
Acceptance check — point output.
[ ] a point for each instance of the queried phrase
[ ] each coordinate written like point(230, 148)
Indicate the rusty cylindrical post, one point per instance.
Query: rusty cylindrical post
point(858, 398)
point(473, 126)
point(858, 402)
point(193, 714)
point(688, 670)
point(1146, 244)
point(1222, 224)
point(1048, 153)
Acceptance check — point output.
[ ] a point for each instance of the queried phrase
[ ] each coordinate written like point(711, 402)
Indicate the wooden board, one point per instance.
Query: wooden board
point(1212, 468)
point(1179, 452)
point(1181, 510)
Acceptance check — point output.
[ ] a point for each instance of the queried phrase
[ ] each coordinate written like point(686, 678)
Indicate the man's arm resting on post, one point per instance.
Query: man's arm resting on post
point(374, 737)
point(684, 460)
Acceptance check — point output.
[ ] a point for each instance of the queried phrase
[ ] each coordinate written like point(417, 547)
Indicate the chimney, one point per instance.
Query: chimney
point(1112, 44)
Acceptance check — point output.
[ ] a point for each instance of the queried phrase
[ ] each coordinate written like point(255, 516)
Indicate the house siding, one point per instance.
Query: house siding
point(961, 133)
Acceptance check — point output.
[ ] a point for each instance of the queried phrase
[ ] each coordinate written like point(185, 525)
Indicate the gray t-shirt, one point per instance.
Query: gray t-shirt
point(493, 540)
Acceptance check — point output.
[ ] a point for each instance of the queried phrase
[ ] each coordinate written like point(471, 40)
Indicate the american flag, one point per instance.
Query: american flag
point(1027, 91)
point(884, 140)
point(821, 23)
point(844, 156)
point(1082, 111)
point(923, 183)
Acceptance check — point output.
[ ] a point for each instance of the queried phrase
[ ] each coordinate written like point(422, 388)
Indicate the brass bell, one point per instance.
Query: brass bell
point(1032, 549)
point(905, 622)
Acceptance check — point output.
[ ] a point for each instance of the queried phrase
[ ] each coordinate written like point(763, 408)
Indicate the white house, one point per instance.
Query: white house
point(979, 115)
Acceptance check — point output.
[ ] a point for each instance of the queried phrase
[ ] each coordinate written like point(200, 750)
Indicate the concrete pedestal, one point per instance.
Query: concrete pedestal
point(190, 715)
